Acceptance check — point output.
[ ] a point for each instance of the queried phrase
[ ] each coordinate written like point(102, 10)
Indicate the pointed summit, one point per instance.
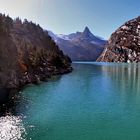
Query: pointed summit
point(86, 30)
point(87, 33)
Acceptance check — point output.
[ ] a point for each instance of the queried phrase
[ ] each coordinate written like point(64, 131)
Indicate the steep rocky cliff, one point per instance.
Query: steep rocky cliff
point(27, 54)
point(124, 44)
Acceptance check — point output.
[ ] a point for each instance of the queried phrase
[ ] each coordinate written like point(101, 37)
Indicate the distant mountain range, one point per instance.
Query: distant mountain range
point(80, 46)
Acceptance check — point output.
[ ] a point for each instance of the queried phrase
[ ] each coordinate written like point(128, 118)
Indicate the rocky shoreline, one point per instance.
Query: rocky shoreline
point(9, 96)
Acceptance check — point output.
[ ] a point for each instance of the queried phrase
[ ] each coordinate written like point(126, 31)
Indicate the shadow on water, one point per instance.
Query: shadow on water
point(6, 100)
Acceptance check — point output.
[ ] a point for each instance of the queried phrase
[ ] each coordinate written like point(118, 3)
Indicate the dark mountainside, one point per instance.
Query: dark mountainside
point(27, 54)
point(124, 44)
point(80, 46)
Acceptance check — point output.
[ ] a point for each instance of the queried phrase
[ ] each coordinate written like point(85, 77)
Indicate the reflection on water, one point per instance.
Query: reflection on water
point(11, 128)
point(126, 76)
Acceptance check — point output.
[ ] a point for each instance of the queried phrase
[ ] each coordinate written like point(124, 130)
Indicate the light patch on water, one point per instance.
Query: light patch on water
point(11, 128)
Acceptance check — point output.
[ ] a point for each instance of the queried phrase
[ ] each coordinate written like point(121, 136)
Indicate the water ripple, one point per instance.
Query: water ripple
point(11, 128)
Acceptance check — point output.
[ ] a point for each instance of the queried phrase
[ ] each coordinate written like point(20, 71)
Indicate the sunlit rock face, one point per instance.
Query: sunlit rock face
point(11, 128)
point(124, 44)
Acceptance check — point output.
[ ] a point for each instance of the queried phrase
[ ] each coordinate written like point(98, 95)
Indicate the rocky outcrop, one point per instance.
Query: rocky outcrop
point(27, 54)
point(124, 44)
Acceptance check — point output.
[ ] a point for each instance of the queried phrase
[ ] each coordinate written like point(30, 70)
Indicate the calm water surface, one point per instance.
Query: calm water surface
point(97, 101)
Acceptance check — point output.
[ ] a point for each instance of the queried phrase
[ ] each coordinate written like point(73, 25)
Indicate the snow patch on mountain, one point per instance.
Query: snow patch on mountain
point(65, 37)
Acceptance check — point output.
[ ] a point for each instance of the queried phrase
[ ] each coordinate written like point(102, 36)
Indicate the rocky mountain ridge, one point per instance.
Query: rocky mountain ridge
point(80, 46)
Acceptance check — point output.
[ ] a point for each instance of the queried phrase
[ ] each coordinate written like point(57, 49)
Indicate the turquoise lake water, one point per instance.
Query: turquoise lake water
point(97, 101)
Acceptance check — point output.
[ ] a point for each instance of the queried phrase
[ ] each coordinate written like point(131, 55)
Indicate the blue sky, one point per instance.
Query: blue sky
point(66, 16)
